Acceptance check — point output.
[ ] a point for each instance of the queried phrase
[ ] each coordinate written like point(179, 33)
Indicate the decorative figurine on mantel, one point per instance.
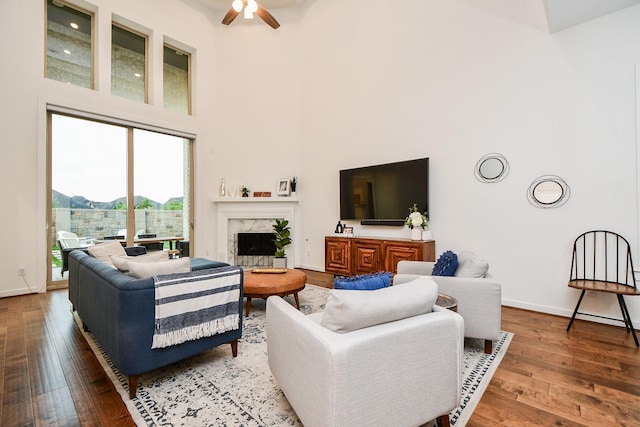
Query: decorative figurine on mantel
point(245, 191)
point(223, 188)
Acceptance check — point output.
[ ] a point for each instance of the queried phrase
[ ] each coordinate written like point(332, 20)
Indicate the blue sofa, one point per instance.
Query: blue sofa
point(119, 310)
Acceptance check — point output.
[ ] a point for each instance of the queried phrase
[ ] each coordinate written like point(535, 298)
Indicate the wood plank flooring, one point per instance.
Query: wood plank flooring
point(589, 377)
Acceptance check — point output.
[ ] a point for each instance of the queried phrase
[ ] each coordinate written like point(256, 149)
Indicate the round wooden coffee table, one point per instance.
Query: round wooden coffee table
point(266, 282)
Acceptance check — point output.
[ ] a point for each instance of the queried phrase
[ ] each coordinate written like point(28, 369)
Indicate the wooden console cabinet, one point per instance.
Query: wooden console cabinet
point(349, 256)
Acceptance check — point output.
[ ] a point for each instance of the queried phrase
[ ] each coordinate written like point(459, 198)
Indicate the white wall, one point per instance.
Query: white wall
point(448, 81)
point(352, 83)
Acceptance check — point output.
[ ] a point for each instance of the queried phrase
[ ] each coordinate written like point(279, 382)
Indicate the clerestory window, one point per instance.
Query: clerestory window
point(69, 45)
point(128, 64)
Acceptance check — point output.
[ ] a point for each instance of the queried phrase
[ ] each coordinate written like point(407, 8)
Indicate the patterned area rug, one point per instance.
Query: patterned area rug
point(215, 389)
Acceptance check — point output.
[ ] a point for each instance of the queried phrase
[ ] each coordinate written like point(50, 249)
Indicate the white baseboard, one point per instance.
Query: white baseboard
point(310, 267)
point(565, 313)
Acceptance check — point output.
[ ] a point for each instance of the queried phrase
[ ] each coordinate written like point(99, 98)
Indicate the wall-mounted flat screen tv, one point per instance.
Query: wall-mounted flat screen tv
point(382, 194)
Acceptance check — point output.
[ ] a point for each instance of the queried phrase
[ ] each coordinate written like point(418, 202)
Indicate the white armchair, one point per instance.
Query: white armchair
point(403, 373)
point(479, 299)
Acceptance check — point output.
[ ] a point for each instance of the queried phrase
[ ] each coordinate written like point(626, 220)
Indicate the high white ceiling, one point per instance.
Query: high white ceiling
point(563, 14)
point(549, 15)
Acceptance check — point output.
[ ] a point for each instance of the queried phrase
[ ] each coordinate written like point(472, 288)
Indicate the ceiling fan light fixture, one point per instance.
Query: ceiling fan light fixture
point(247, 13)
point(252, 5)
point(237, 5)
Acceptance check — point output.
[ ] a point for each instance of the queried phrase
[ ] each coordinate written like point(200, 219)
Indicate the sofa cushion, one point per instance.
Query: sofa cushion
point(141, 270)
point(363, 282)
point(349, 310)
point(446, 265)
point(122, 262)
point(103, 251)
point(470, 265)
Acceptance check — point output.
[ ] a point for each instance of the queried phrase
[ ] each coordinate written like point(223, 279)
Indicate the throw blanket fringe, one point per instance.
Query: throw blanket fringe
point(190, 333)
point(190, 306)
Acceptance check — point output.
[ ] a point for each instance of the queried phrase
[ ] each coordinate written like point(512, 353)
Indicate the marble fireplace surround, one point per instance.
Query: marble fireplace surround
point(251, 214)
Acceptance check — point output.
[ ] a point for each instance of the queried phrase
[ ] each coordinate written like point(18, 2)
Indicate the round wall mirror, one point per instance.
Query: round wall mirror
point(492, 167)
point(548, 191)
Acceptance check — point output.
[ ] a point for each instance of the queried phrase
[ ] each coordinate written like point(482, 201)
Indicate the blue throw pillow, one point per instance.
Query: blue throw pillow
point(446, 265)
point(364, 282)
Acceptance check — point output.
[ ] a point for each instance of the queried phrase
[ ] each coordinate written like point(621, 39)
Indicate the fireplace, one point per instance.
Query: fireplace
point(252, 215)
point(254, 249)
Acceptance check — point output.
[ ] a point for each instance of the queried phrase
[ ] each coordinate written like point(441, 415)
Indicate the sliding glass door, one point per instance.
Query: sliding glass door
point(115, 182)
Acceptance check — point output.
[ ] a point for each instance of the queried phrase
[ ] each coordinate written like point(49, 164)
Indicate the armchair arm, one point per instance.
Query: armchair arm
point(334, 379)
point(479, 303)
point(422, 268)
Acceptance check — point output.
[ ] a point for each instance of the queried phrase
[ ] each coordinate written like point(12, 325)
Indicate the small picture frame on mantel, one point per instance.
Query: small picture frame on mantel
point(284, 187)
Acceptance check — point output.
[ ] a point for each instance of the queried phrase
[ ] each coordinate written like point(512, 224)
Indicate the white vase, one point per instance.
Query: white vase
point(416, 233)
point(427, 235)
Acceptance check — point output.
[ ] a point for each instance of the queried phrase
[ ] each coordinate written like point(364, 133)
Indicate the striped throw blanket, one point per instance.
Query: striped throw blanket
point(194, 305)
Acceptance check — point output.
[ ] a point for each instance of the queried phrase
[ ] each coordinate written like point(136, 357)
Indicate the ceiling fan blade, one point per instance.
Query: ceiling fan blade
point(267, 17)
point(230, 16)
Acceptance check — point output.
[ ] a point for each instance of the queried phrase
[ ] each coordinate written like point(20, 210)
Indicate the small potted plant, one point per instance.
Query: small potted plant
point(245, 191)
point(281, 239)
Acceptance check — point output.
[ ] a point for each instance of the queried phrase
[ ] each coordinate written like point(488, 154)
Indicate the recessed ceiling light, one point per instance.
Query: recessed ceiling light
point(67, 51)
point(74, 25)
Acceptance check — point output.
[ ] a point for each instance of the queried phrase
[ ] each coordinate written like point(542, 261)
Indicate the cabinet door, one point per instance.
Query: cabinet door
point(367, 256)
point(395, 253)
point(337, 255)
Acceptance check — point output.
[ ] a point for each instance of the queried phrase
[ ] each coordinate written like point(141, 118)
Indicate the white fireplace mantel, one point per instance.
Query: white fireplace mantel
point(251, 208)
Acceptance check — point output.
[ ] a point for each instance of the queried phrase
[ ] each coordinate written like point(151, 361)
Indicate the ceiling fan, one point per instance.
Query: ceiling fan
point(250, 7)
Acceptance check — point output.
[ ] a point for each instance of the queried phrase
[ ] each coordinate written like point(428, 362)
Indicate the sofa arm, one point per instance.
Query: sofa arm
point(334, 379)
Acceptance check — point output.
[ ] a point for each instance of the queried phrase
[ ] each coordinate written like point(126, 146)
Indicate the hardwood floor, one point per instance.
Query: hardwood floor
point(589, 377)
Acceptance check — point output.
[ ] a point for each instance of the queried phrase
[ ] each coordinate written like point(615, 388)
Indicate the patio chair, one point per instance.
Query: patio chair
point(68, 241)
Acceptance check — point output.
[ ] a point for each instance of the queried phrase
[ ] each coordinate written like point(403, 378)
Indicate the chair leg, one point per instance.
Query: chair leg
point(576, 310)
point(133, 385)
point(443, 420)
point(488, 346)
point(624, 313)
point(627, 318)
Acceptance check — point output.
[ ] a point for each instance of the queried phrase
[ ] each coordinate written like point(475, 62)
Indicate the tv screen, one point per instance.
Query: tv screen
point(383, 194)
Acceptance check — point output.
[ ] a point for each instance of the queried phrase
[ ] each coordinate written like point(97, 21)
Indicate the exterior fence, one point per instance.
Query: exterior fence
point(98, 223)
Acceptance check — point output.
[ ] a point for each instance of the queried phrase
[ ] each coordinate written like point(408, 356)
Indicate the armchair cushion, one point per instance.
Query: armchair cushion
point(470, 265)
point(363, 282)
point(350, 310)
point(446, 265)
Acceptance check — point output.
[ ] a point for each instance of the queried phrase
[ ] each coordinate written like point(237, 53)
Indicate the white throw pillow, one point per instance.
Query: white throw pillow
point(122, 262)
point(349, 310)
point(470, 265)
point(103, 251)
point(142, 270)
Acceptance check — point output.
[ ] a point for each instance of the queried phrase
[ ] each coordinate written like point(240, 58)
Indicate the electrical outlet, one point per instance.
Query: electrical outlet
point(22, 270)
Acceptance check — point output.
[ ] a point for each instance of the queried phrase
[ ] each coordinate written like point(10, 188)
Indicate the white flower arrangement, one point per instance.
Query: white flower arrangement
point(416, 219)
